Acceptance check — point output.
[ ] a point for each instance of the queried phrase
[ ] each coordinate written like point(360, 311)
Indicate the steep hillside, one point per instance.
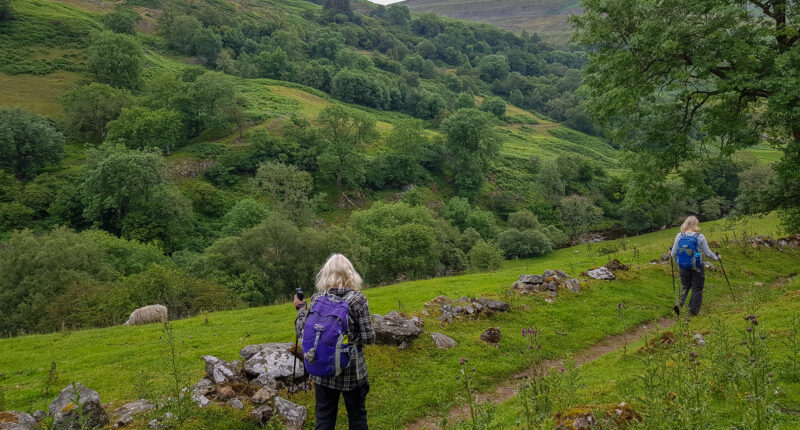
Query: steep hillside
point(121, 362)
point(545, 17)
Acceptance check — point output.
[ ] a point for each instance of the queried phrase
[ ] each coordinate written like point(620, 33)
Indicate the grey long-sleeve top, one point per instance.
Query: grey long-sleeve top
point(702, 244)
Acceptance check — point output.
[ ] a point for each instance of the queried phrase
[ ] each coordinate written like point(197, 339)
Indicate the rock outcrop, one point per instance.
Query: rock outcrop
point(550, 280)
point(601, 273)
point(220, 371)
point(271, 361)
point(292, 414)
point(13, 420)
point(443, 341)
point(77, 404)
point(123, 415)
point(394, 329)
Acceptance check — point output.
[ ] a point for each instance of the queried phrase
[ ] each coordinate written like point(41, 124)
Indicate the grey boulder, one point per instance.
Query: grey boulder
point(495, 305)
point(77, 404)
point(235, 404)
point(394, 329)
point(220, 371)
point(573, 285)
point(263, 395)
point(123, 415)
point(292, 414)
point(13, 420)
point(271, 361)
point(601, 273)
point(443, 341)
point(262, 414)
point(491, 335)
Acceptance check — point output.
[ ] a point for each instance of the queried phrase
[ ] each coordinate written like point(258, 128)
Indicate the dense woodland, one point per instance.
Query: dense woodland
point(94, 222)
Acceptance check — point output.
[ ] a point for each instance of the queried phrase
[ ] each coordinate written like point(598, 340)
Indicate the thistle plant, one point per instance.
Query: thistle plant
point(621, 318)
point(792, 343)
point(481, 416)
point(758, 376)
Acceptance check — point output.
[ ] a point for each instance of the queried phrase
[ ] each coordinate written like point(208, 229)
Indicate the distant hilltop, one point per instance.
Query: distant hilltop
point(546, 17)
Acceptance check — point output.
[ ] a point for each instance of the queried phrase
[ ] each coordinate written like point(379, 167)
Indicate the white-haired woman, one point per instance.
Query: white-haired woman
point(339, 281)
point(687, 249)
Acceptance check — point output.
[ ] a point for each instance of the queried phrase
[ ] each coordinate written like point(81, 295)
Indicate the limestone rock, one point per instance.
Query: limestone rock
point(443, 341)
point(573, 285)
point(601, 273)
point(709, 266)
point(235, 404)
point(531, 279)
point(75, 399)
point(699, 340)
point(439, 301)
point(39, 415)
point(394, 329)
point(262, 414)
point(123, 415)
point(292, 414)
point(495, 305)
point(491, 335)
point(220, 371)
point(272, 361)
point(13, 420)
point(263, 395)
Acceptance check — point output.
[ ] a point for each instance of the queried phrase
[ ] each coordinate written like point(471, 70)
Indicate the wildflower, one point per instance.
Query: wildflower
point(752, 359)
point(692, 354)
point(763, 336)
point(462, 360)
point(458, 377)
point(749, 329)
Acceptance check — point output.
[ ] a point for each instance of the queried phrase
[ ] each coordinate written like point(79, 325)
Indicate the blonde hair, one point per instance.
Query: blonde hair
point(691, 224)
point(338, 272)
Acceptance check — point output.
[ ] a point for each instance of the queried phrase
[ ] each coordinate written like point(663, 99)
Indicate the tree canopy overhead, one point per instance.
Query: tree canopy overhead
point(672, 78)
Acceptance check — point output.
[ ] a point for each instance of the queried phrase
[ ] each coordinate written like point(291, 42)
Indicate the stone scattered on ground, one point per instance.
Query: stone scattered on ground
point(70, 401)
point(235, 404)
point(601, 273)
point(792, 241)
point(495, 305)
point(614, 265)
point(443, 341)
point(394, 329)
point(465, 307)
point(123, 415)
point(263, 395)
point(550, 280)
point(549, 300)
point(663, 259)
point(220, 371)
point(491, 335)
point(262, 414)
point(758, 284)
point(709, 266)
point(13, 420)
point(438, 301)
point(699, 340)
point(292, 414)
point(226, 393)
point(616, 415)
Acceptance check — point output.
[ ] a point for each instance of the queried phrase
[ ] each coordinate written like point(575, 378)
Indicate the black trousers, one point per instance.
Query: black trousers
point(693, 280)
point(328, 406)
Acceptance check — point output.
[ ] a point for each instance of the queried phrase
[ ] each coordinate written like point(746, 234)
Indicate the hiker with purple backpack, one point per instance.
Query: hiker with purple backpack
point(687, 249)
point(333, 328)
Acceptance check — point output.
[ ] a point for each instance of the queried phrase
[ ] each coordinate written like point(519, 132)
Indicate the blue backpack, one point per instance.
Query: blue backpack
point(326, 344)
point(688, 254)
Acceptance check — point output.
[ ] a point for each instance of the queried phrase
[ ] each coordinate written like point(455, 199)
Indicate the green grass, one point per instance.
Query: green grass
point(616, 376)
point(406, 384)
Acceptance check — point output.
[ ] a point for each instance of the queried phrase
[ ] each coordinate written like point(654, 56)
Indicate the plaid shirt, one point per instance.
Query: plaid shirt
point(361, 332)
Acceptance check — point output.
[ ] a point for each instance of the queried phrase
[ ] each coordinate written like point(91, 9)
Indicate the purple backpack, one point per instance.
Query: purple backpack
point(326, 344)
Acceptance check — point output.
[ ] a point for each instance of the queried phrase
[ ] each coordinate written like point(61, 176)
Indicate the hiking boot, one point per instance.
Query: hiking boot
point(677, 310)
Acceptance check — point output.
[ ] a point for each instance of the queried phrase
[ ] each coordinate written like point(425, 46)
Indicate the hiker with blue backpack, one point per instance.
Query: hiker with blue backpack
point(333, 327)
point(687, 251)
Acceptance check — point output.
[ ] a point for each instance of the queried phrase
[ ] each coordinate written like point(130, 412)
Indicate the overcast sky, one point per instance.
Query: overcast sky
point(385, 1)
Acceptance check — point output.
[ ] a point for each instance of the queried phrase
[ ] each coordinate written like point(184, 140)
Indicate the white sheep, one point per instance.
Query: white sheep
point(147, 315)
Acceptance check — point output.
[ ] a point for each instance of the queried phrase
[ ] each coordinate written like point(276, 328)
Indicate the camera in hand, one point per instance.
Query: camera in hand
point(299, 293)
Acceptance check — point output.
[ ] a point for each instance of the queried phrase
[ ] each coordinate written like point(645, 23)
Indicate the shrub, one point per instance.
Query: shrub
point(116, 59)
point(484, 256)
point(28, 142)
point(525, 243)
point(245, 214)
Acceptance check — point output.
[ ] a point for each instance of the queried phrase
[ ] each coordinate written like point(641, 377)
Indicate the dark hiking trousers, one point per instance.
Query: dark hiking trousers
point(693, 279)
point(328, 406)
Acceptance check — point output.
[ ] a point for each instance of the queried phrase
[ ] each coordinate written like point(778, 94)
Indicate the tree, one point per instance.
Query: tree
point(346, 133)
point(579, 213)
point(484, 256)
point(287, 186)
point(354, 86)
point(245, 214)
point(398, 15)
point(90, 108)
point(206, 44)
point(472, 146)
point(325, 43)
point(494, 67)
point(671, 77)
point(335, 7)
point(465, 216)
point(401, 240)
point(28, 142)
point(139, 128)
point(465, 101)
point(119, 181)
point(495, 106)
point(122, 20)
point(116, 59)
point(523, 243)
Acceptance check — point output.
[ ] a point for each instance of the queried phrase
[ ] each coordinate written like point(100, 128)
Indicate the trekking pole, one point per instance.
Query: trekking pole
point(726, 277)
point(300, 296)
point(675, 307)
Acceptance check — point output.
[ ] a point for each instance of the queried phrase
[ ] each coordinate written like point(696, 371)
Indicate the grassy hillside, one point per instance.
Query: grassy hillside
point(546, 17)
point(403, 389)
